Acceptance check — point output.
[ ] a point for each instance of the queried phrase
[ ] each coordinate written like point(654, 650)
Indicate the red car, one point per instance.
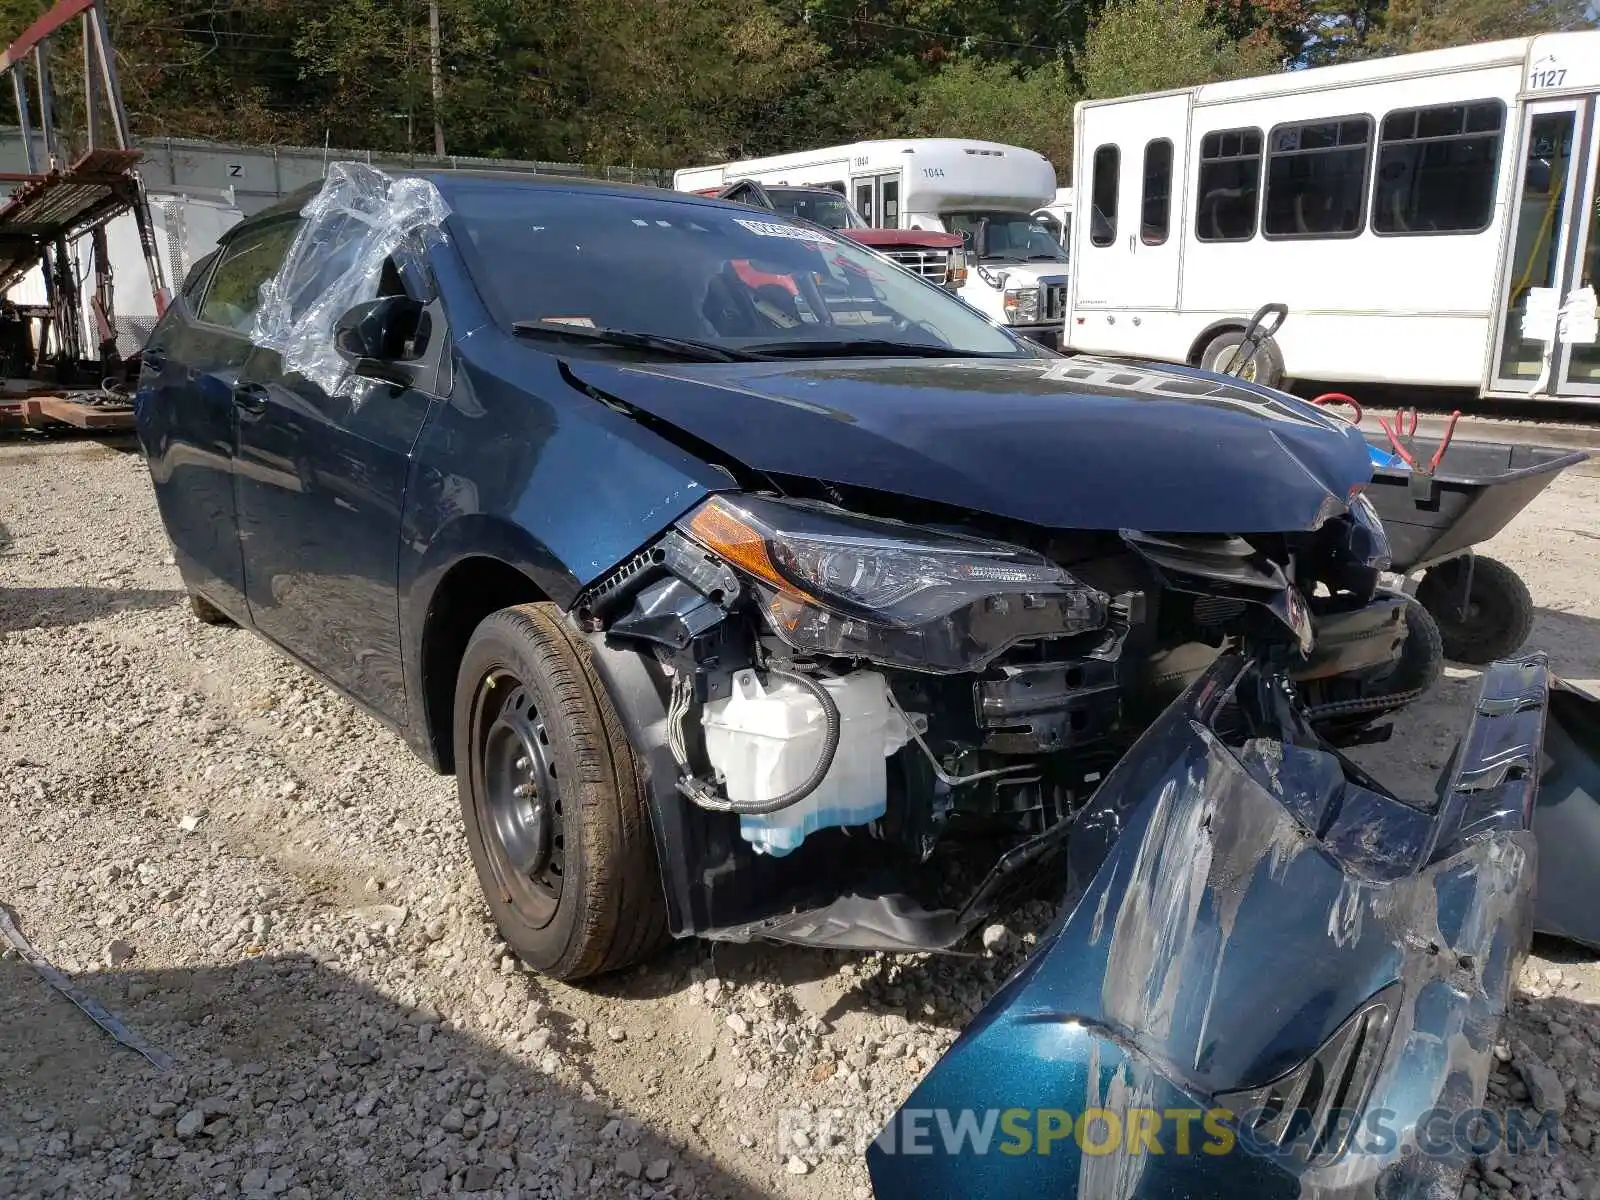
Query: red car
point(936, 256)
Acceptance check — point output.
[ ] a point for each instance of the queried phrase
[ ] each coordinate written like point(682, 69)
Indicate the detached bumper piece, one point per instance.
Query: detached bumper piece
point(1271, 977)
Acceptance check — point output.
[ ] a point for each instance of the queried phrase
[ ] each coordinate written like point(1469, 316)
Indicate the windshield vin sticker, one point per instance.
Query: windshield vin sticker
point(777, 230)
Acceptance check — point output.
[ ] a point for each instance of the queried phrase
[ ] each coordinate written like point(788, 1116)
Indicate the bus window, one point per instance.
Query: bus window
point(1317, 178)
point(1437, 168)
point(1103, 214)
point(1156, 211)
point(891, 203)
point(1230, 178)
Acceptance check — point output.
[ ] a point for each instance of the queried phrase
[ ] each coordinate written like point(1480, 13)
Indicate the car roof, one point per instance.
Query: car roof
point(454, 182)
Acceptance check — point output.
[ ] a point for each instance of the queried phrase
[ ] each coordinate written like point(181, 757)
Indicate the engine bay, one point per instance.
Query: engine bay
point(866, 731)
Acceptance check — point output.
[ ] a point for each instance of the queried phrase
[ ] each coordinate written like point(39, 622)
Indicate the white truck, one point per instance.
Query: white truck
point(1057, 217)
point(1428, 219)
point(987, 192)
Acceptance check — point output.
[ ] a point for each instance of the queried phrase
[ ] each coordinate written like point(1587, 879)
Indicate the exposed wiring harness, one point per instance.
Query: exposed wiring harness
point(704, 794)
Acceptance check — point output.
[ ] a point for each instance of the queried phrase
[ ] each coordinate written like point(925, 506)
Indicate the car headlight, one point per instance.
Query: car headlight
point(1021, 305)
point(833, 583)
point(1369, 540)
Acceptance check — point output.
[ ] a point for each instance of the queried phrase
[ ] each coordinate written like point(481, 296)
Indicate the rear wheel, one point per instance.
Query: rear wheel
point(1265, 368)
point(556, 818)
point(1496, 618)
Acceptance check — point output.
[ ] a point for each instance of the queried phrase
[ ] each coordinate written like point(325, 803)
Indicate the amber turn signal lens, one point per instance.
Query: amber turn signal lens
point(718, 527)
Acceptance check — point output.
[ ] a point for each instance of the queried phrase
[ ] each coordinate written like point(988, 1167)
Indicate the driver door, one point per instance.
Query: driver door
point(320, 490)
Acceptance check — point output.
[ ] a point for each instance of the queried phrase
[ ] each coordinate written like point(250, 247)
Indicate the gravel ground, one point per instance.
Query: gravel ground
point(265, 884)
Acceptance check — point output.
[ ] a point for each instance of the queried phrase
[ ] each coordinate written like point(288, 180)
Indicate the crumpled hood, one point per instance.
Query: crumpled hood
point(1061, 443)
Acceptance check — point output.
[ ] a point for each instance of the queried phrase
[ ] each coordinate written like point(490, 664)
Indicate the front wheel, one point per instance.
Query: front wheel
point(556, 817)
point(1496, 618)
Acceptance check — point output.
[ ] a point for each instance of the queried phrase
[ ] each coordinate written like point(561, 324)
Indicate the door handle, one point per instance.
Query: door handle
point(250, 398)
point(155, 360)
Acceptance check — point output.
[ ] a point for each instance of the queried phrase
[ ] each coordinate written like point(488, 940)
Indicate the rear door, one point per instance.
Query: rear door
point(1131, 250)
point(186, 410)
point(321, 485)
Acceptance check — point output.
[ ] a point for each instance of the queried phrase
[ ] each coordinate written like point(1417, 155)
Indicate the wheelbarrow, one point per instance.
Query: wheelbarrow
point(1438, 499)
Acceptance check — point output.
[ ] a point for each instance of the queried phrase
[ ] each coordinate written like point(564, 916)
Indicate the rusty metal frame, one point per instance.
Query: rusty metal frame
point(58, 202)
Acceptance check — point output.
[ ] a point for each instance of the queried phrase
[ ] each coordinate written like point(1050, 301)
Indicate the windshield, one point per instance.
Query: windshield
point(1013, 237)
point(821, 207)
point(724, 275)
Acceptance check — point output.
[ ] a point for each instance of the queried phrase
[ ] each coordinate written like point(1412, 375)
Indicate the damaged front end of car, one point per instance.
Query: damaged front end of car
point(873, 732)
point(1270, 976)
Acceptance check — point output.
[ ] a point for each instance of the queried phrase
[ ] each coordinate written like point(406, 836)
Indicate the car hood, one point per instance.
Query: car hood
point(903, 237)
point(1060, 443)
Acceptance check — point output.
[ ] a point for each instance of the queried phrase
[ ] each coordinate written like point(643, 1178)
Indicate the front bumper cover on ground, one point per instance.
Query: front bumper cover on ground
point(1261, 948)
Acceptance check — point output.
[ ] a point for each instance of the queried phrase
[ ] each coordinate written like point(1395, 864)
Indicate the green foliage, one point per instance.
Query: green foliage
point(1432, 24)
point(674, 82)
point(1149, 45)
point(972, 98)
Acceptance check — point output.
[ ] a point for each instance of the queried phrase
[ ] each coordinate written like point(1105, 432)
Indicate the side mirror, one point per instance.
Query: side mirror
point(373, 337)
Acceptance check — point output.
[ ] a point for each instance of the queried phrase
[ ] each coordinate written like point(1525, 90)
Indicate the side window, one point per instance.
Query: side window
point(247, 262)
point(195, 281)
point(1155, 216)
point(1230, 183)
point(1103, 218)
point(1437, 168)
point(1317, 178)
point(891, 202)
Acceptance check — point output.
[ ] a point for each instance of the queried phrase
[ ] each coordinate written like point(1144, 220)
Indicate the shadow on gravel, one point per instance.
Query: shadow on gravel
point(296, 1081)
point(46, 608)
point(1571, 640)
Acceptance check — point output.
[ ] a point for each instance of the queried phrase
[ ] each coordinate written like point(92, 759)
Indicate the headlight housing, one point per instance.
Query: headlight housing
point(833, 583)
point(1021, 305)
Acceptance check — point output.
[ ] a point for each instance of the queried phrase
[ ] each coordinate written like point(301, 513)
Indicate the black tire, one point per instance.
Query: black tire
point(1266, 368)
point(569, 869)
point(1498, 616)
point(206, 612)
point(1421, 657)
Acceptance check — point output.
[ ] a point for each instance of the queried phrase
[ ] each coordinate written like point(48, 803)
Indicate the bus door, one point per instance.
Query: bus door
point(877, 198)
point(1133, 202)
point(1545, 330)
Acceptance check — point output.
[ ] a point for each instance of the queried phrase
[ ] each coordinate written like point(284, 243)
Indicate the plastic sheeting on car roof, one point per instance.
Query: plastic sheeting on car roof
point(357, 220)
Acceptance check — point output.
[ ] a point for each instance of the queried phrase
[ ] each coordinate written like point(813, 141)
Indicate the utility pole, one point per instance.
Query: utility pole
point(438, 87)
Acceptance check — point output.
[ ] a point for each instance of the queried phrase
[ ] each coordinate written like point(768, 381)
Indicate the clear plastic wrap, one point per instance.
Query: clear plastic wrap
point(358, 219)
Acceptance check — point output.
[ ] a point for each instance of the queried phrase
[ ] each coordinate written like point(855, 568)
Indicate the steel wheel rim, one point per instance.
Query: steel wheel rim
point(522, 800)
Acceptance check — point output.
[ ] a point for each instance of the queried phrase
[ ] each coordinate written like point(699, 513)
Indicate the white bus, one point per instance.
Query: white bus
point(1427, 219)
point(985, 191)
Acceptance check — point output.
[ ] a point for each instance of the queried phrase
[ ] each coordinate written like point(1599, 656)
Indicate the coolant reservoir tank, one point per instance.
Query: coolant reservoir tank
point(766, 738)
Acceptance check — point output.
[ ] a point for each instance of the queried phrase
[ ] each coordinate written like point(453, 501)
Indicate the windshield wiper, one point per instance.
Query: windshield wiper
point(857, 348)
point(633, 339)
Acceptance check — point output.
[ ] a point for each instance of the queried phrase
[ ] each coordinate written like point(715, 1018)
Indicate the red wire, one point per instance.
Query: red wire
point(1343, 399)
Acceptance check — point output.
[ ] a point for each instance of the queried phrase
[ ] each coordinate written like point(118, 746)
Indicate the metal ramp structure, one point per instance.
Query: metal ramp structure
point(85, 180)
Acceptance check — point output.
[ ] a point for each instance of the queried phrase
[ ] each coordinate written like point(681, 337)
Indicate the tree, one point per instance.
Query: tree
point(1410, 25)
point(1031, 108)
point(1149, 45)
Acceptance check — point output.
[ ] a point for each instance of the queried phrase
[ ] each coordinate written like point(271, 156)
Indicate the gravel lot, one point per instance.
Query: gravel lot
point(265, 884)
